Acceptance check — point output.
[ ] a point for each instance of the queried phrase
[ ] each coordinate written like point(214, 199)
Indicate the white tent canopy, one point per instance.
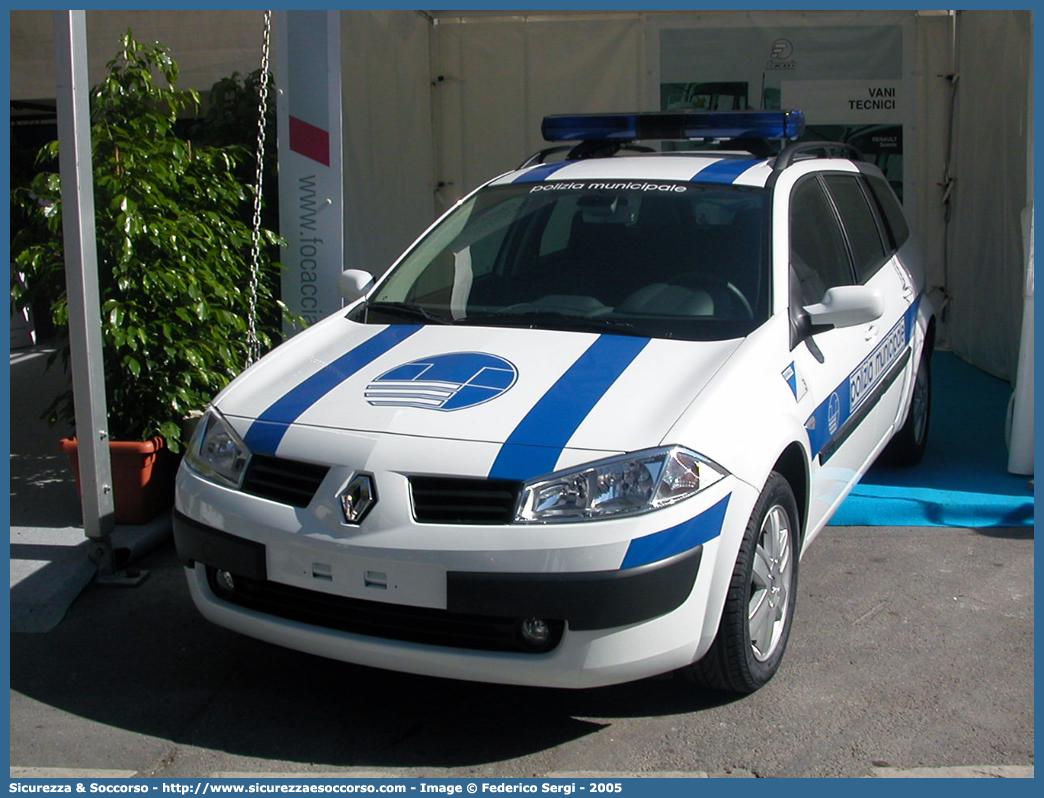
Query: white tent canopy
point(435, 102)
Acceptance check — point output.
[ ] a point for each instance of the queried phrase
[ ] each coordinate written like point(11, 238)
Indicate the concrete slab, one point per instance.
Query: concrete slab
point(50, 562)
point(49, 568)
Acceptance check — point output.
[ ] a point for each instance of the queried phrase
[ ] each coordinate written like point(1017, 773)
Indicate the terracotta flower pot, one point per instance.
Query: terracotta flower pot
point(142, 477)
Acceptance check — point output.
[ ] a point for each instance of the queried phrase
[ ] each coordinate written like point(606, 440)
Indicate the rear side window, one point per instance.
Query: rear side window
point(891, 210)
point(818, 255)
point(864, 236)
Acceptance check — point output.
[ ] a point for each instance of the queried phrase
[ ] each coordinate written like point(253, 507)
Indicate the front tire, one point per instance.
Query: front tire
point(759, 605)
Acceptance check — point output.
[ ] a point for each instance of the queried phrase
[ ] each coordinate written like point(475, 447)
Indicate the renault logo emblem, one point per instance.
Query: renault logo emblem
point(358, 498)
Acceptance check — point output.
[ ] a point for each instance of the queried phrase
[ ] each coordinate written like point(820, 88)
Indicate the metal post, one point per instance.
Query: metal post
point(81, 275)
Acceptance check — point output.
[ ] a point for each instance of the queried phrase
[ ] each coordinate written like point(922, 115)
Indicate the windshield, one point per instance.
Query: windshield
point(656, 259)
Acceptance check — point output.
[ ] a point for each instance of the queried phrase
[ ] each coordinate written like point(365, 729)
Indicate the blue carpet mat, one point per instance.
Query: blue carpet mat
point(963, 480)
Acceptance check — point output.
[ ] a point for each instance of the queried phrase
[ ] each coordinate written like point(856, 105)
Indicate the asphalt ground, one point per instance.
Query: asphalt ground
point(911, 654)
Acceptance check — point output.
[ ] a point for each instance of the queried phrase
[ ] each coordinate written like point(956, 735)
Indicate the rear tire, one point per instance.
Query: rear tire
point(759, 605)
point(908, 445)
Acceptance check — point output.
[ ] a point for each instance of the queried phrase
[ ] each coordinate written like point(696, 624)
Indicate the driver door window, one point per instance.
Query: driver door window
point(818, 253)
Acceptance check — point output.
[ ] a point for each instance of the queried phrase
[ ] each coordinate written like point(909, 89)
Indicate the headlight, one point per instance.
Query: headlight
point(216, 452)
point(633, 483)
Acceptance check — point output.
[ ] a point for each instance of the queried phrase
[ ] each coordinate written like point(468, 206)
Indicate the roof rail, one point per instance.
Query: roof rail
point(540, 157)
point(793, 152)
point(585, 149)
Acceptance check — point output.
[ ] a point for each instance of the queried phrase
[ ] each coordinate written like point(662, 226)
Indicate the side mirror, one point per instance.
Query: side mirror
point(846, 306)
point(354, 283)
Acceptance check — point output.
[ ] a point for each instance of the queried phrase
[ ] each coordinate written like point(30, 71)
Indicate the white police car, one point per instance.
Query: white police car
point(582, 430)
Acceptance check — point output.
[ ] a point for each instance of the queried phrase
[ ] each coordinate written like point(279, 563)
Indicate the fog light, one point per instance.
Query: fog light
point(224, 584)
point(534, 631)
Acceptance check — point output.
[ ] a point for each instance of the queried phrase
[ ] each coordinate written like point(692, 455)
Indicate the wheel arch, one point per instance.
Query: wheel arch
point(929, 337)
point(793, 467)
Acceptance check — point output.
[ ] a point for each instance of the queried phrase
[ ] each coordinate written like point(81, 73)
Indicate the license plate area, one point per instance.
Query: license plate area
point(344, 574)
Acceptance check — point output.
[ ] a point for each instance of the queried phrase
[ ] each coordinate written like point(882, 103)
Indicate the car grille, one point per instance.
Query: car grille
point(455, 500)
point(284, 481)
point(388, 621)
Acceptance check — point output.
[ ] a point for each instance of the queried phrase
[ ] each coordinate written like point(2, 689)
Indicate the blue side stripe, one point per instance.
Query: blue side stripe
point(269, 428)
point(540, 173)
point(533, 448)
point(838, 407)
point(724, 171)
point(684, 537)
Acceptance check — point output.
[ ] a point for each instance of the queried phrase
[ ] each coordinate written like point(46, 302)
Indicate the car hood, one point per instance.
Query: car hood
point(514, 387)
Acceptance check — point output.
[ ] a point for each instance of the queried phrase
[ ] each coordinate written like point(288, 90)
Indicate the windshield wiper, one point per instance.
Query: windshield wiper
point(407, 310)
point(540, 319)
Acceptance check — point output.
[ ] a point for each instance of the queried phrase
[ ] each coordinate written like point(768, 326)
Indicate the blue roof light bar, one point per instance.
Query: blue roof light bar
point(674, 125)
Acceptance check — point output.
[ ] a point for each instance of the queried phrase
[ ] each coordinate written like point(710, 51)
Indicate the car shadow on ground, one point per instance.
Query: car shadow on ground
point(144, 661)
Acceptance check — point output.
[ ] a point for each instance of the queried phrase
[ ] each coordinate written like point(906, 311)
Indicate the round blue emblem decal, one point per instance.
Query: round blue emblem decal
point(834, 413)
point(443, 382)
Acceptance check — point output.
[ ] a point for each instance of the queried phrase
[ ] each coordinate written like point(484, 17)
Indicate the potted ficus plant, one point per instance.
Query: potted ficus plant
point(174, 262)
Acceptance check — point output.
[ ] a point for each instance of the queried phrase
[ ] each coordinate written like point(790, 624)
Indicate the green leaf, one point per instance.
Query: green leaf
point(173, 235)
point(115, 314)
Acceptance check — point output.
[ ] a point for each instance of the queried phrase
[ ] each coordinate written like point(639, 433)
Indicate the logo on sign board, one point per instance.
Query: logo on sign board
point(782, 49)
point(780, 55)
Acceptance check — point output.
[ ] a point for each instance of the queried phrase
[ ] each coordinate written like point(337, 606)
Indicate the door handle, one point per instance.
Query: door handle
point(904, 278)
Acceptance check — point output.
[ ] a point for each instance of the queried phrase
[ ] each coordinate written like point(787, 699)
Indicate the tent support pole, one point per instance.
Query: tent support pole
point(81, 276)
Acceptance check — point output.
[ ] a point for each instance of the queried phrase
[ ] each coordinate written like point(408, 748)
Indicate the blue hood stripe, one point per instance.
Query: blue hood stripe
point(684, 537)
point(533, 448)
point(267, 431)
point(724, 171)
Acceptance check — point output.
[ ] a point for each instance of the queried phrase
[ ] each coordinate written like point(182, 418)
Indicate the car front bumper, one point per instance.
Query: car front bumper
point(449, 601)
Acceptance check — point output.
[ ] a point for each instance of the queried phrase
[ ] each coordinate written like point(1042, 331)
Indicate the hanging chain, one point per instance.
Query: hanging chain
point(253, 342)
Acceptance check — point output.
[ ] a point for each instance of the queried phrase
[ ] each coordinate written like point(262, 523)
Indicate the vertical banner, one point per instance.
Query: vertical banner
point(311, 185)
